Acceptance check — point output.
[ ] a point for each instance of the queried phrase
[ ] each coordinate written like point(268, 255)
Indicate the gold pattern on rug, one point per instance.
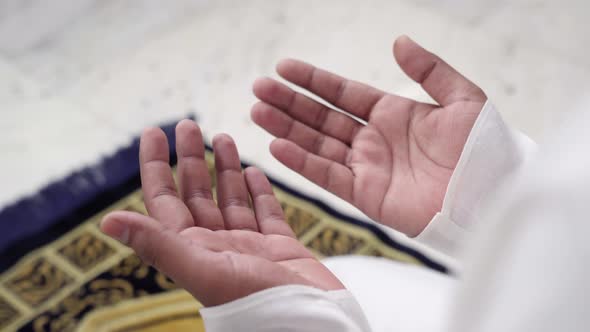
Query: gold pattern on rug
point(85, 281)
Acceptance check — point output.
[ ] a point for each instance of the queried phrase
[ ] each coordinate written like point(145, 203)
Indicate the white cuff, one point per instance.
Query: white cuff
point(288, 308)
point(492, 151)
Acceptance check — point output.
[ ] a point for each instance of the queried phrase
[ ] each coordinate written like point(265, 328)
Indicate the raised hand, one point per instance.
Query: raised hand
point(221, 251)
point(390, 156)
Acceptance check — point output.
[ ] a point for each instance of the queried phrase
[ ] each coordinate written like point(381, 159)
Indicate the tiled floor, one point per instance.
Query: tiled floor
point(78, 79)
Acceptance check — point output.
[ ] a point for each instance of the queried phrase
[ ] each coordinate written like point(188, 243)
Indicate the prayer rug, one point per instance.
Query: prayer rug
point(60, 273)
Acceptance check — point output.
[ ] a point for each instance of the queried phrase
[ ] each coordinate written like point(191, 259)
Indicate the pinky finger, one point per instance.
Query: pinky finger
point(330, 175)
point(268, 210)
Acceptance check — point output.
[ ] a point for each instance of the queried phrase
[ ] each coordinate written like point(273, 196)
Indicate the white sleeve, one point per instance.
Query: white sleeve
point(288, 308)
point(527, 267)
point(491, 152)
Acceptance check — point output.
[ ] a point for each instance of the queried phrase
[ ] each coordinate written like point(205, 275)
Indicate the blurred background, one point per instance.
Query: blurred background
point(79, 79)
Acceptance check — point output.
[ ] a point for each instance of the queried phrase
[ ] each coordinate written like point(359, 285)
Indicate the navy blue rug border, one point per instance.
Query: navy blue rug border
point(57, 208)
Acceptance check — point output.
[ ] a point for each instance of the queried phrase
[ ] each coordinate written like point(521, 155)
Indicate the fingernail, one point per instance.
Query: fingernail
point(116, 230)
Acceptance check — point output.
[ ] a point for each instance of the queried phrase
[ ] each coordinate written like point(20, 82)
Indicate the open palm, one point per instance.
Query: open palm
point(221, 251)
point(390, 156)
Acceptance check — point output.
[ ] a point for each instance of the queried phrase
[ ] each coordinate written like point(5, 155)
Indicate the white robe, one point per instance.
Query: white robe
point(515, 220)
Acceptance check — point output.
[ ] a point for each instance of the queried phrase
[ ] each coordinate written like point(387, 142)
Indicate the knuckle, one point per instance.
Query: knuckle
point(165, 190)
point(198, 193)
point(229, 202)
point(318, 144)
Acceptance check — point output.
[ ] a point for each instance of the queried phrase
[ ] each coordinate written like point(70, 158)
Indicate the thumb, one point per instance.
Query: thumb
point(155, 245)
point(441, 81)
point(213, 278)
point(174, 255)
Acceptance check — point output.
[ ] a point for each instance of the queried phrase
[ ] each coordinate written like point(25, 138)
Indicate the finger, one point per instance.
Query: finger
point(443, 83)
point(159, 190)
point(193, 176)
point(307, 110)
point(145, 235)
point(268, 210)
point(172, 254)
point(232, 193)
point(281, 125)
point(353, 97)
point(328, 174)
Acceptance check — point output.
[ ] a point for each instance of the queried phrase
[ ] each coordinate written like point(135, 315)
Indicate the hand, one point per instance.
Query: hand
point(218, 252)
point(390, 156)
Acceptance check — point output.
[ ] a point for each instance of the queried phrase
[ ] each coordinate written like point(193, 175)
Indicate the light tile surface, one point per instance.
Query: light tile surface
point(100, 71)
